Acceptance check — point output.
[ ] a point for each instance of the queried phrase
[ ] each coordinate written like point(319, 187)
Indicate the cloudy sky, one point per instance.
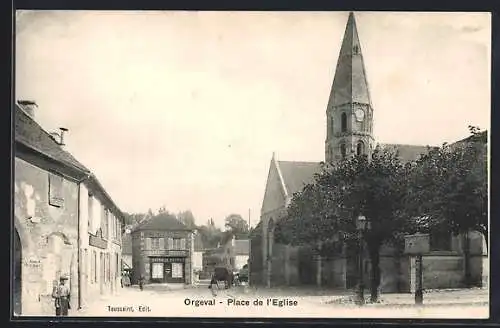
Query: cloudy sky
point(184, 109)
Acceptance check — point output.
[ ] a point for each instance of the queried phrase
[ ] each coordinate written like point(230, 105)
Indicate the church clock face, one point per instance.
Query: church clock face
point(360, 114)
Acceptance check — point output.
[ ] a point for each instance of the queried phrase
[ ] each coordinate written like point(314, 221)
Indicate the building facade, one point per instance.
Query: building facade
point(162, 251)
point(50, 225)
point(349, 126)
point(236, 253)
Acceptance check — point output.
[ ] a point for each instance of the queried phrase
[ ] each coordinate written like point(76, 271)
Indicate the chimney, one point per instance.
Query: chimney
point(61, 135)
point(29, 107)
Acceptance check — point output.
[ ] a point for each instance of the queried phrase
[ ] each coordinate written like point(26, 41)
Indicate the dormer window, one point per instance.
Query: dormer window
point(355, 50)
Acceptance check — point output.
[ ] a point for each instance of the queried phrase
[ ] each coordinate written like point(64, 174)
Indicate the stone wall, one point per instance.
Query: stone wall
point(48, 236)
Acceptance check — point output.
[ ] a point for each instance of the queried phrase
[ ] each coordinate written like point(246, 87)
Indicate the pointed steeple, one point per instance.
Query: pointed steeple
point(350, 84)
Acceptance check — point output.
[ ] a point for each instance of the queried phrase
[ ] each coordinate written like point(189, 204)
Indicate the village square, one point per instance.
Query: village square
point(369, 227)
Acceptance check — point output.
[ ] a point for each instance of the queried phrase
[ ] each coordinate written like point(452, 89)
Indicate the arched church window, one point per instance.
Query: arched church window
point(343, 119)
point(343, 150)
point(270, 237)
point(360, 150)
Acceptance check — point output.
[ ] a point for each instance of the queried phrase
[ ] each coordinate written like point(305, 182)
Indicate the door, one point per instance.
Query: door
point(17, 290)
point(174, 272)
point(101, 273)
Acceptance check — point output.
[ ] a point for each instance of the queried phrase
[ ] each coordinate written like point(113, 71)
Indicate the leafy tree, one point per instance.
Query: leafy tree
point(236, 226)
point(326, 210)
point(210, 234)
point(187, 218)
point(449, 186)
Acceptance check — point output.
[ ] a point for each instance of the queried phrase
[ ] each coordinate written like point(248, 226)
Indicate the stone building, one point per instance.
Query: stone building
point(162, 249)
point(349, 115)
point(53, 233)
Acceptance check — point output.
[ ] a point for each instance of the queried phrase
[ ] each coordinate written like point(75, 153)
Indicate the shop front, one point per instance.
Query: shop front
point(167, 269)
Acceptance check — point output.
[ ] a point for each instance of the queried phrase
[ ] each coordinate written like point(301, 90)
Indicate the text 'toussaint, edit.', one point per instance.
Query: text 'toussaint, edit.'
point(277, 302)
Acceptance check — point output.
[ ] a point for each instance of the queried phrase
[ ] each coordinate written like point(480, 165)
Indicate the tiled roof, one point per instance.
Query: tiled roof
point(162, 221)
point(29, 133)
point(241, 247)
point(297, 174)
point(127, 244)
point(407, 153)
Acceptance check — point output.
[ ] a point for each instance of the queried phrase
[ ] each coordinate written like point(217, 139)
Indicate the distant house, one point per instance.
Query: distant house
point(236, 253)
point(126, 251)
point(198, 253)
point(162, 250)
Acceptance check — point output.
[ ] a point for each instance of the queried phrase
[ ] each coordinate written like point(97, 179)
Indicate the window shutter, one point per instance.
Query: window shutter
point(148, 243)
point(55, 190)
point(162, 243)
point(170, 243)
point(183, 243)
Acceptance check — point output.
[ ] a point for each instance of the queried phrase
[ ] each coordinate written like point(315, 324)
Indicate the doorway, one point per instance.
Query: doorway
point(101, 273)
point(17, 275)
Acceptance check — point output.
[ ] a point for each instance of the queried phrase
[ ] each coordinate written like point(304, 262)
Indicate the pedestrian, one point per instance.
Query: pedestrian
point(141, 282)
point(62, 297)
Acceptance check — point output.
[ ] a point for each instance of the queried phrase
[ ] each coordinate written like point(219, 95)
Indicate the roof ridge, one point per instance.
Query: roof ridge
point(50, 138)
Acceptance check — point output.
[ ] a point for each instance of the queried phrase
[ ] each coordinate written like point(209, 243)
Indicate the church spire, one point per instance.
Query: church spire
point(350, 84)
point(349, 113)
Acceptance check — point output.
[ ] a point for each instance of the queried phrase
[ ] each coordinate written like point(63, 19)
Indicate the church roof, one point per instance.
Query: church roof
point(350, 84)
point(407, 153)
point(297, 174)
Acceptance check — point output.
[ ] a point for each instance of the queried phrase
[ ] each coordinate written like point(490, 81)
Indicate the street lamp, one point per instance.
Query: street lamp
point(362, 225)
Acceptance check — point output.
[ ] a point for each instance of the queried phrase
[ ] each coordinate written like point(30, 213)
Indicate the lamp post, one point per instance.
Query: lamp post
point(362, 224)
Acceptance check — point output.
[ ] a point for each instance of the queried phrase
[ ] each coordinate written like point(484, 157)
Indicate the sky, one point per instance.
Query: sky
point(184, 109)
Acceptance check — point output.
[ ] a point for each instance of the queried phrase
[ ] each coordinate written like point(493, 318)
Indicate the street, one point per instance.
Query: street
point(244, 302)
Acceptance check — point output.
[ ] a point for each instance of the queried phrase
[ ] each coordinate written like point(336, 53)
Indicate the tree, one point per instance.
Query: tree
point(449, 186)
point(326, 210)
point(187, 218)
point(236, 226)
point(210, 234)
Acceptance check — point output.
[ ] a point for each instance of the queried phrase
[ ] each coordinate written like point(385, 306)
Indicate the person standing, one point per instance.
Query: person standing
point(62, 297)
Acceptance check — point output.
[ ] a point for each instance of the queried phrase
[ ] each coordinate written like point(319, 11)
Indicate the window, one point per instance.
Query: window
point(118, 269)
point(90, 210)
point(148, 243)
point(157, 270)
point(108, 266)
point(343, 150)
point(177, 270)
point(360, 150)
point(104, 222)
point(343, 121)
point(178, 243)
point(440, 240)
point(94, 267)
point(157, 243)
point(55, 190)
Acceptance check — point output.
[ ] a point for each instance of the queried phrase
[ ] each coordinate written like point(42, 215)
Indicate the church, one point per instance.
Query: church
point(349, 124)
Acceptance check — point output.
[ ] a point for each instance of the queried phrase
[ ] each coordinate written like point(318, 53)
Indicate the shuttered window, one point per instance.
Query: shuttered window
point(183, 243)
point(148, 243)
point(56, 197)
point(162, 243)
point(170, 243)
